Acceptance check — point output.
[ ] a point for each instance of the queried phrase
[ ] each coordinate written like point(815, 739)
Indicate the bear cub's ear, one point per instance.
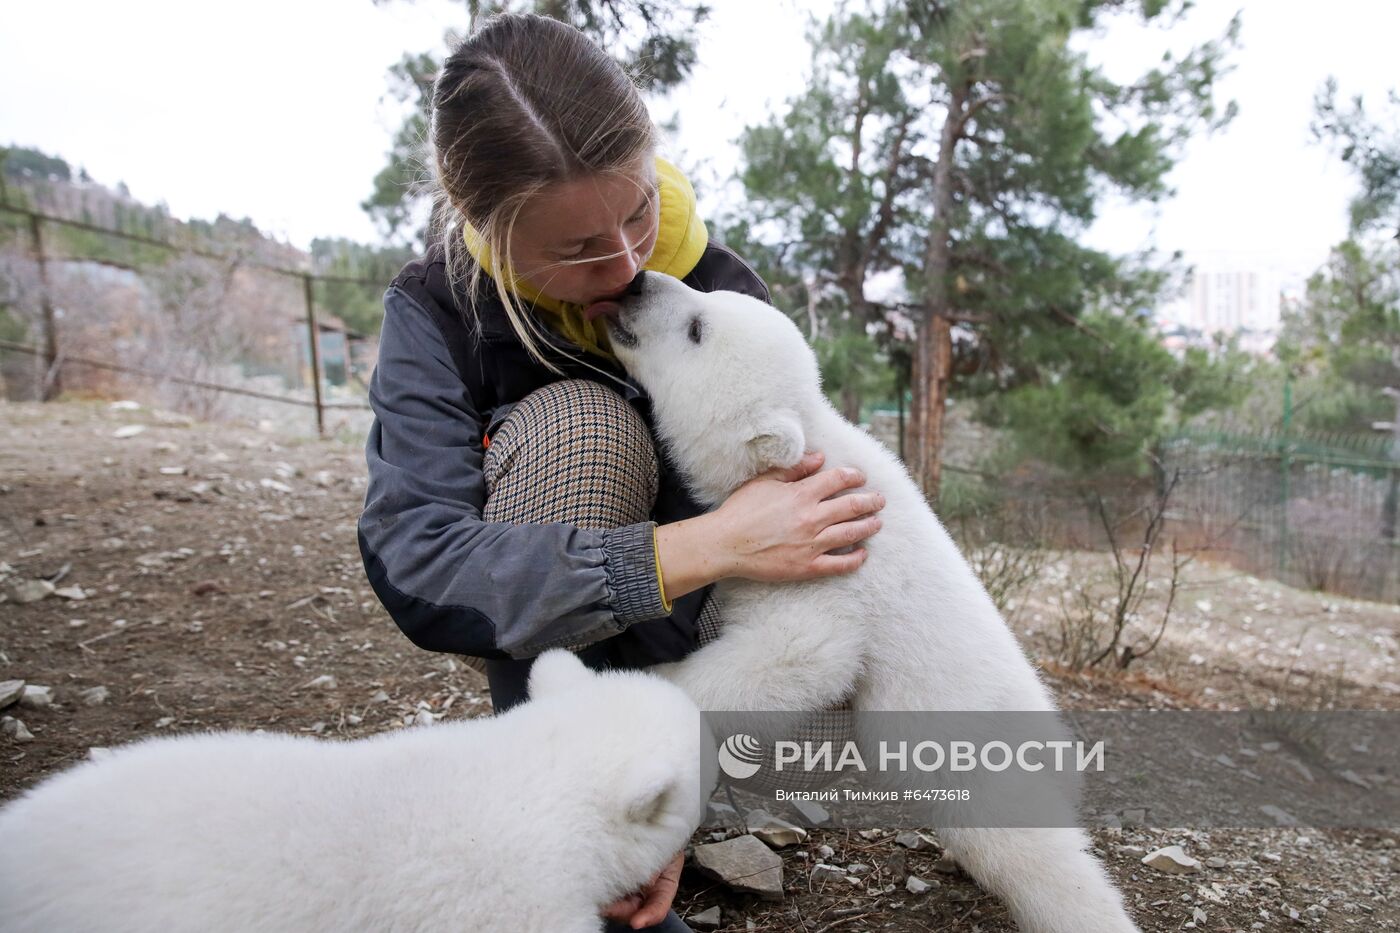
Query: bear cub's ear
point(776, 440)
point(557, 670)
point(648, 794)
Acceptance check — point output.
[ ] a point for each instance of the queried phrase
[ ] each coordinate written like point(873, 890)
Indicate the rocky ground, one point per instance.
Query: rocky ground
point(163, 576)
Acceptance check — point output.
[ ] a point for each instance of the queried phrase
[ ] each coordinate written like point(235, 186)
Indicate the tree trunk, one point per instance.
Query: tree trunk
point(933, 355)
point(850, 404)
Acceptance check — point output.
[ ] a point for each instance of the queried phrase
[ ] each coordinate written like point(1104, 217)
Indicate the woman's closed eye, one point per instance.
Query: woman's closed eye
point(578, 251)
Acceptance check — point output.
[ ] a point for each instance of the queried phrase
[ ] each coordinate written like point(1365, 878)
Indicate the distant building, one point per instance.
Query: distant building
point(1226, 299)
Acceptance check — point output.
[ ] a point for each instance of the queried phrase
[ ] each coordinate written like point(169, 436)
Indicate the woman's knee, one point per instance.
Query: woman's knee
point(572, 451)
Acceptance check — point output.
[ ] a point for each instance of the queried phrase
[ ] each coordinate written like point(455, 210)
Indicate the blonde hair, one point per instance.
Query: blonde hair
point(525, 102)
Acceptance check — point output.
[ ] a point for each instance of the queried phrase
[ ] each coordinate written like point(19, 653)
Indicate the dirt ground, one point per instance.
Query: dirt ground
point(221, 587)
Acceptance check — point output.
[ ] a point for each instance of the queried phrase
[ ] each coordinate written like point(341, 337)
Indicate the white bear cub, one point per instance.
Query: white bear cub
point(534, 820)
point(736, 391)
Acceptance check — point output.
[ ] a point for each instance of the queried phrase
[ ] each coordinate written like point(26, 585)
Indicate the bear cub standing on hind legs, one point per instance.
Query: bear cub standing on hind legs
point(735, 391)
point(534, 820)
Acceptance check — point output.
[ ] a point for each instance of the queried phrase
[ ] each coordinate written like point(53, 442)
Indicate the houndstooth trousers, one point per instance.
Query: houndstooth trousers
point(575, 452)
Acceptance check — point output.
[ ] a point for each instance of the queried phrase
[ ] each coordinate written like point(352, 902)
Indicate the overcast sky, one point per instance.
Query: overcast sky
point(278, 110)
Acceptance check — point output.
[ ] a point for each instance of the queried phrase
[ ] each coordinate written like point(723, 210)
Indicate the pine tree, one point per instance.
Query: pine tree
point(965, 146)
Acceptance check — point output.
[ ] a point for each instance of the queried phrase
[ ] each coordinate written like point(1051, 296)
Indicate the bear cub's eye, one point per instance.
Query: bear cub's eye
point(696, 329)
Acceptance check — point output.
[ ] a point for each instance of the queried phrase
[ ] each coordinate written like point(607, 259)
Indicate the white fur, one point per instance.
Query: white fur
point(533, 820)
point(912, 629)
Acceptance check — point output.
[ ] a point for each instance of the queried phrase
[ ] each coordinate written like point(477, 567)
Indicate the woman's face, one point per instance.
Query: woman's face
point(583, 241)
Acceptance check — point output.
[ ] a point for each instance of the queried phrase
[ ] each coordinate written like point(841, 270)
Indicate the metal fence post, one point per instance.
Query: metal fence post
point(52, 383)
point(1390, 511)
point(1285, 469)
point(314, 339)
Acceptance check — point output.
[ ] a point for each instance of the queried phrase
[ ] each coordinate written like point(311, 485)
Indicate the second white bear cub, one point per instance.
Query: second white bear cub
point(533, 820)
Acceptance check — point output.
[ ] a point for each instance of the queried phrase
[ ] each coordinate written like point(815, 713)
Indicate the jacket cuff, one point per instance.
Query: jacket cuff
point(634, 578)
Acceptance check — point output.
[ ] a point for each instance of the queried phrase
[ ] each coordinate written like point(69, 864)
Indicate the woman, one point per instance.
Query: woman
point(516, 500)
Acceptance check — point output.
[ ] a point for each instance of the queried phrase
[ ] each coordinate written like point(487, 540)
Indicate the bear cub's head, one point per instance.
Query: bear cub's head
point(732, 380)
point(635, 750)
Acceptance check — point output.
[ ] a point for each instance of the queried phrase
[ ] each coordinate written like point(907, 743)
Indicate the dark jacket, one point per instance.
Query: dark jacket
point(496, 590)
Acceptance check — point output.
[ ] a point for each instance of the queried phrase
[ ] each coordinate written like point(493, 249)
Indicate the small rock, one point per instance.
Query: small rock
point(31, 591)
point(776, 832)
point(324, 682)
point(15, 729)
point(1198, 915)
point(917, 885)
point(354, 720)
point(825, 851)
point(1215, 862)
point(36, 697)
point(812, 812)
point(705, 919)
point(165, 722)
point(824, 872)
point(946, 865)
point(1352, 777)
point(10, 691)
point(745, 864)
point(128, 430)
point(910, 841)
point(870, 835)
point(424, 718)
point(379, 697)
point(1171, 859)
point(858, 868)
point(721, 814)
point(70, 592)
point(95, 696)
point(895, 867)
point(1271, 857)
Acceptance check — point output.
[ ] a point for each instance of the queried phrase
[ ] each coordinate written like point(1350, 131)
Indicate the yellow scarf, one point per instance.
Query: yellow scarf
point(680, 242)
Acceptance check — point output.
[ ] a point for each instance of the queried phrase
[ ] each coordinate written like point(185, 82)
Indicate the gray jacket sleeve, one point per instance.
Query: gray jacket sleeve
point(452, 581)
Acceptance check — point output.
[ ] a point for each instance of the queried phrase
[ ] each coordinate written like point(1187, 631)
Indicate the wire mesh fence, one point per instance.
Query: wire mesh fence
point(1317, 511)
point(1314, 511)
point(213, 320)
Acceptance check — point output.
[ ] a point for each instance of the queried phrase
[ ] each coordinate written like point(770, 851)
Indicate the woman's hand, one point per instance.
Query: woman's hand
point(779, 526)
point(649, 906)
